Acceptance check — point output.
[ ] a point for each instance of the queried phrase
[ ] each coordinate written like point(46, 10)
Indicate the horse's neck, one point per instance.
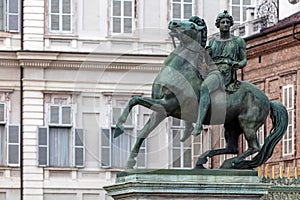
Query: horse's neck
point(191, 55)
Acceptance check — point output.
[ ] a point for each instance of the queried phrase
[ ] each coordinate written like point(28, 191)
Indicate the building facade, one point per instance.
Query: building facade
point(68, 68)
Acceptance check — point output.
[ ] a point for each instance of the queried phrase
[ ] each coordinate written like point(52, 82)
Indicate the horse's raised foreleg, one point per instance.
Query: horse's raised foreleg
point(157, 105)
point(187, 131)
point(153, 121)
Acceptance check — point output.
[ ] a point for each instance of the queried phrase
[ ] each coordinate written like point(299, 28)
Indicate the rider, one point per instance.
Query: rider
point(225, 54)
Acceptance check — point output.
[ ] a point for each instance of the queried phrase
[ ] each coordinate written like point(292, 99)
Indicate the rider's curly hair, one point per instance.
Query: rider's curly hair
point(223, 15)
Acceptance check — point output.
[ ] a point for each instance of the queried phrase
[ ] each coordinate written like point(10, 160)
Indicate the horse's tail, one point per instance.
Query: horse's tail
point(279, 118)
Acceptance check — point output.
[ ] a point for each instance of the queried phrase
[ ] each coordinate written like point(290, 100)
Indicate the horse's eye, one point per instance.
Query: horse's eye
point(192, 26)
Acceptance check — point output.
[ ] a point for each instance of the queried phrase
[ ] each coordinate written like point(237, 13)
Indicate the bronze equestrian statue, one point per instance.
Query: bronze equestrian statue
point(177, 91)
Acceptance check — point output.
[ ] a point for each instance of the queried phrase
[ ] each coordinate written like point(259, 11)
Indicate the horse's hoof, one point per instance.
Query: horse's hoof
point(119, 130)
point(202, 161)
point(130, 163)
point(200, 166)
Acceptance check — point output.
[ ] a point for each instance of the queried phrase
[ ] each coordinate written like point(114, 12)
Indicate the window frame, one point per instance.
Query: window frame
point(60, 124)
point(289, 104)
point(60, 15)
point(122, 17)
point(182, 3)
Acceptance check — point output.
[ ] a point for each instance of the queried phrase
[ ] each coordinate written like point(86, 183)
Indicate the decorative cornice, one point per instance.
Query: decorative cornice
point(81, 61)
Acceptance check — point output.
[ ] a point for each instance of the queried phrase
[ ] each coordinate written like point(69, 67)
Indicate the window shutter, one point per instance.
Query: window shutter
point(79, 148)
point(43, 146)
point(105, 137)
point(1, 16)
point(13, 15)
point(13, 145)
point(2, 113)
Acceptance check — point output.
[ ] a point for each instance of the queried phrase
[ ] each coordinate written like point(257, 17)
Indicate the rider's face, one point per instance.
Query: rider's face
point(224, 25)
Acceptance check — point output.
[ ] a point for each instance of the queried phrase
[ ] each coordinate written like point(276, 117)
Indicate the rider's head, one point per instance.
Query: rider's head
point(223, 15)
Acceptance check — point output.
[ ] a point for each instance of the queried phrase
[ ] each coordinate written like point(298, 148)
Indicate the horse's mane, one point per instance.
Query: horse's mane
point(200, 22)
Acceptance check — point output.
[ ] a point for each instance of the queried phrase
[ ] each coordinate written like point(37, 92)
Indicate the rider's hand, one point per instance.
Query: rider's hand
point(208, 50)
point(235, 65)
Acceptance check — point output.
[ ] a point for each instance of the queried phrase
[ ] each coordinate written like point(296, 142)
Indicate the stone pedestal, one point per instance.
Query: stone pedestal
point(173, 184)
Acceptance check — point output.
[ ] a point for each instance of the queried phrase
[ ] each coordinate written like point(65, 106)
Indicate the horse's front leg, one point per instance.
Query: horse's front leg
point(153, 121)
point(157, 105)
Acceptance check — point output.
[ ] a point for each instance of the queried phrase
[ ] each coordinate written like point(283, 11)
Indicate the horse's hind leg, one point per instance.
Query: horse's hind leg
point(250, 129)
point(157, 105)
point(231, 137)
point(153, 121)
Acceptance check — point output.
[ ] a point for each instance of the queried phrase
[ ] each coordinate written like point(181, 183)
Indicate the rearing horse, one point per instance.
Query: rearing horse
point(176, 93)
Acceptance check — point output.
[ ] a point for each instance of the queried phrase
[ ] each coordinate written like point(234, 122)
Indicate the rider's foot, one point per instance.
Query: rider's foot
point(118, 131)
point(197, 130)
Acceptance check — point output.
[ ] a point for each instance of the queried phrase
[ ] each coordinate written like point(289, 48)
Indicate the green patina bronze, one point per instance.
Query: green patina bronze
point(181, 91)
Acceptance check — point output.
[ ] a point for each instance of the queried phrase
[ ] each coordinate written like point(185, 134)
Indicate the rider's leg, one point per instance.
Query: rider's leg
point(202, 109)
point(210, 84)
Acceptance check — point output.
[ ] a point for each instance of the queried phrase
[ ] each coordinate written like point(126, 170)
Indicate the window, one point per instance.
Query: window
point(59, 143)
point(122, 16)
point(9, 15)
point(54, 147)
point(288, 101)
point(238, 9)
point(182, 9)
point(9, 141)
point(181, 152)
point(60, 115)
point(60, 16)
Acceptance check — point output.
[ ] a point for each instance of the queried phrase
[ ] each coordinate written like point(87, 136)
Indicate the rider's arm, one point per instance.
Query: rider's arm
point(242, 53)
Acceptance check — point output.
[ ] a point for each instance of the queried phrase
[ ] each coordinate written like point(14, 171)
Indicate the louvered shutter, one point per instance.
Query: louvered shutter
point(1, 15)
point(43, 146)
point(2, 113)
point(13, 145)
point(105, 137)
point(79, 148)
point(13, 15)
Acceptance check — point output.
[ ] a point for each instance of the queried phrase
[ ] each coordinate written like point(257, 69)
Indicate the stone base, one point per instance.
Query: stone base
point(174, 184)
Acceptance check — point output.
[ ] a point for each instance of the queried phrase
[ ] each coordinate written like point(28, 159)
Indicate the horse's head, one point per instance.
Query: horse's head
point(189, 31)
